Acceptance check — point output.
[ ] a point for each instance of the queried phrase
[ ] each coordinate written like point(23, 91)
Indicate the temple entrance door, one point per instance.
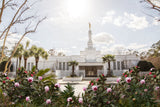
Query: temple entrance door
point(90, 71)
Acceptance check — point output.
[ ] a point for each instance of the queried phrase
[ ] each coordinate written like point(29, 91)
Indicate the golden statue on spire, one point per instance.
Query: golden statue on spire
point(89, 26)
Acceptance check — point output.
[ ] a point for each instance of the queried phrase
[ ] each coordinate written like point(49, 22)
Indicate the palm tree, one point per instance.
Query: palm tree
point(16, 56)
point(37, 53)
point(26, 54)
point(20, 53)
point(73, 64)
point(108, 58)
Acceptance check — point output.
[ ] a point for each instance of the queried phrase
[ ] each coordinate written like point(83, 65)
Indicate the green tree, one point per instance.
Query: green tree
point(108, 58)
point(26, 54)
point(37, 53)
point(18, 54)
point(73, 64)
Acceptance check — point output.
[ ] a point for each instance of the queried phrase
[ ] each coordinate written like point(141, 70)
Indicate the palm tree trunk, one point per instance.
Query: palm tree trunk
point(109, 69)
point(72, 71)
point(16, 64)
point(37, 59)
point(20, 58)
point(25, 62)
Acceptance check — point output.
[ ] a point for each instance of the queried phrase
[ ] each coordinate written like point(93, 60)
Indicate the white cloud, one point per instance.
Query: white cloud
point(136, 22)
point(74, 47)
point(120, 49)
point(136, 46)
point(65, 51)
point(103, 38)
point(14, 38)
point(131, 21)
point(108, 18)
point(127, 19)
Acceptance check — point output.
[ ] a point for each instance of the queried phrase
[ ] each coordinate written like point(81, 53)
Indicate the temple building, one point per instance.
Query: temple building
point(90, 62)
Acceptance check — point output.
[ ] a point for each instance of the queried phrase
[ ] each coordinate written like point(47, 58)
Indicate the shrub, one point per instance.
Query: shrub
point(131, 90)
point(145, 66)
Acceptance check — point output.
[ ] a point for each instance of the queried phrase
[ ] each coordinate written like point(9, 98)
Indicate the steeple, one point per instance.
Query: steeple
point(90, 44)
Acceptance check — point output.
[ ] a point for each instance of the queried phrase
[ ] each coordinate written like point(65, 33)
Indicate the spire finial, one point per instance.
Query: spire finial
point(89, 26)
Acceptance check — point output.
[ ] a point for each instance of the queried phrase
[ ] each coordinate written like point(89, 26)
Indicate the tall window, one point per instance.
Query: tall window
point(67, 66)
point(59, 65)
point(114, 65)
point(28, 66)
point(118, 65)
point(63, 65)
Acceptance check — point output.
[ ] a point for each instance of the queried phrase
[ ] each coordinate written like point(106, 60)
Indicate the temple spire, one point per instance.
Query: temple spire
point(89, 26)
point(90, 44)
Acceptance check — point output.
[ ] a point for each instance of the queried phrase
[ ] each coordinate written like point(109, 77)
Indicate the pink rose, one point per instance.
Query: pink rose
point(40, 77)
point(84, 88)
point(94, 88)
point(97, 79)
point(154, 76)
point(7, 78)
point(69, 99)
point(30, 79)
point(142, 81)
point(92, 84)
point(152, 69)
point(109, 90)
point(108, 102)
point(80, 100)
point(16, 84)
point(118, 80)
point(4, 82)
point(48, 101)
point(150, 73)
point(156, 88)
point(125, 75)
point(57, 85)
point(25, 72)
point(4, 94)
point(128, 79)
point(27, 99)
point(145, 90)
point(130, 71)
point(46, 88)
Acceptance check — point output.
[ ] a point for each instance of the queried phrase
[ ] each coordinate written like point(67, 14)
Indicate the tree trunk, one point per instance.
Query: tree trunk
point(109, 70)
point(16, 64)
point(20, 61)
point(37, 59)
point(72, 71)
point(25, 62)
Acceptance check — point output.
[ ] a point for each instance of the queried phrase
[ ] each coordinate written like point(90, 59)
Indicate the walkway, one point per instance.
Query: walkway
point(79, 85)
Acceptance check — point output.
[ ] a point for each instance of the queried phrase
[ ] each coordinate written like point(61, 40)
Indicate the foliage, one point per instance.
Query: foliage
point(155, 61)
point(2, 66)
point(144, 65)
point(108, 58)
point(131, 90)
point(34, 89)
point(38, 52)
point(73, 64)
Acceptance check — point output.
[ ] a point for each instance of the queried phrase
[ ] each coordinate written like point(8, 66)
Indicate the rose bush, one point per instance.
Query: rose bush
point(38, 90)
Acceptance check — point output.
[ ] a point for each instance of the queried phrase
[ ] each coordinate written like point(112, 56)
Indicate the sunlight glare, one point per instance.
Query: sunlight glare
point(76, 8)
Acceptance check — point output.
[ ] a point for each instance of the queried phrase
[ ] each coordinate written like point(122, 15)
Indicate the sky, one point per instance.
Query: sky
point(117, 25)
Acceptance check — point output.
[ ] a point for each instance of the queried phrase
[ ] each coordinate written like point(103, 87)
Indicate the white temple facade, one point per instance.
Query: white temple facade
point(90, 62)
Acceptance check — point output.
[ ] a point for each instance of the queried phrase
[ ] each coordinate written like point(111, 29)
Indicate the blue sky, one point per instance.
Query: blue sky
point(117, 25)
